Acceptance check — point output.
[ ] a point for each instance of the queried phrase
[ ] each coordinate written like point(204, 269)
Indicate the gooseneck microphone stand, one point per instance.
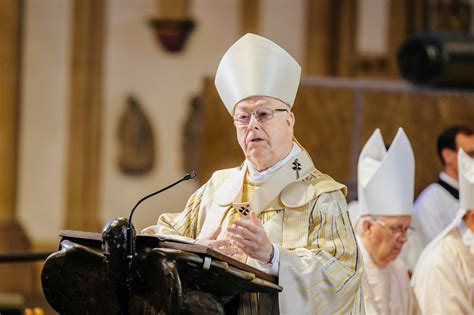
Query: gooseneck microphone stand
point(130, 238)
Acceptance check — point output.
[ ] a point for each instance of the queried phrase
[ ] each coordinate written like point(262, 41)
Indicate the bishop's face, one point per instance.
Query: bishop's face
point(264, 142)
point(385, 236)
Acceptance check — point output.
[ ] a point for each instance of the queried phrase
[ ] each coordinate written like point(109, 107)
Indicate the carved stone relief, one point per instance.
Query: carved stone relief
point(192, 136)
point(136, 149)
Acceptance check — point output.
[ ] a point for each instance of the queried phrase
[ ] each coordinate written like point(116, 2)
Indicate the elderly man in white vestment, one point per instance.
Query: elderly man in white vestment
point(276, 211)
point(444, 275)
point(385, 191)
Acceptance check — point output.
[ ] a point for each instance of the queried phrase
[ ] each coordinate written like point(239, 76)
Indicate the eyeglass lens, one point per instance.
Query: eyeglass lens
point(261, 115)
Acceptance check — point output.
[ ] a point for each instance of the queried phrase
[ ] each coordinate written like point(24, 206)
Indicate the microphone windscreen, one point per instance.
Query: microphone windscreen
point(190, 175)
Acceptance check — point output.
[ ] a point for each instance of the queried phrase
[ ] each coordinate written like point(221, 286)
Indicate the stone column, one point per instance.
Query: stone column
point(15, 278)
point(172, 9)
point(85, 110)
point(249, 16)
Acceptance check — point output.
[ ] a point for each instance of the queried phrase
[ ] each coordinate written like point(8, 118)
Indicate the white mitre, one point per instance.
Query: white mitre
point(466, 180)
point(256, 66)
point(386, 178)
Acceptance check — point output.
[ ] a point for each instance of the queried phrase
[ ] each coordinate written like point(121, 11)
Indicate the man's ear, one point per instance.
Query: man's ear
point(448, 155)
point(366, 226)
point(291, 119)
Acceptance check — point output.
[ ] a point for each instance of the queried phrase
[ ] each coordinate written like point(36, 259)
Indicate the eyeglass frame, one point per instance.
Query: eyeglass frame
point(273, 110)
point(393, 230)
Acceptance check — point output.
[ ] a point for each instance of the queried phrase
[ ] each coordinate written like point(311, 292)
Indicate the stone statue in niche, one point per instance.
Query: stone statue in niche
point(192, 136)
point(136, 140)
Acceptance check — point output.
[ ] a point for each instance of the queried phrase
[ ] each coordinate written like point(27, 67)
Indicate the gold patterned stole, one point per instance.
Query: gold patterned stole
point(289, 189)
point(252, 303)
point(294, 171)
point(248, 190)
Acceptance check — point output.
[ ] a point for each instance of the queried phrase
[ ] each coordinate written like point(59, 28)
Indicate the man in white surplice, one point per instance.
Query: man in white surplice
point(444, 275)
point(385, 191)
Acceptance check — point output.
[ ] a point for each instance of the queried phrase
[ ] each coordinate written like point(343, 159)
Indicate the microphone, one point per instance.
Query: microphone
point(130, 249)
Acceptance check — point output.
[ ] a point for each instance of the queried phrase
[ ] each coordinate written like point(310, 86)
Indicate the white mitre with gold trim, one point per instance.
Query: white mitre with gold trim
point(256, 66)
point(386, 178)
point(466, 180)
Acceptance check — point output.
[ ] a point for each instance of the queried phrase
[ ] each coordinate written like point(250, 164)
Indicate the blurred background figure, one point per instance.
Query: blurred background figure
point(438, 203)
point(446, 267)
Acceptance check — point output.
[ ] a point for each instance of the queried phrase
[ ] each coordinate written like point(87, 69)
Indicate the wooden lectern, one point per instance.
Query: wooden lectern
point(90, 274)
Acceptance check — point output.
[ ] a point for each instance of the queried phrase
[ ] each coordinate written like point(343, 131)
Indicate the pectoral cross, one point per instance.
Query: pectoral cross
point(297, 168)
point(244, 210)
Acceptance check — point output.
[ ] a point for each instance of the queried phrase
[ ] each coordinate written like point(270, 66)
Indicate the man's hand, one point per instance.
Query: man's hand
point(222, 245)
point(251, 239)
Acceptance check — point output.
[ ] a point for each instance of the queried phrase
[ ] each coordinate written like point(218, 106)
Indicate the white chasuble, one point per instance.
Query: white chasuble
point(444, 276)
point(387, 289)
point(304, 213)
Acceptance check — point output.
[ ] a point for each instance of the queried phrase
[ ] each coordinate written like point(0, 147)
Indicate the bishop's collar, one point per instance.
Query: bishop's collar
point(257, 177)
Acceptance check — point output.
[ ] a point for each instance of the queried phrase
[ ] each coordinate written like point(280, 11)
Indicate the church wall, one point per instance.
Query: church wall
point(43, 118)
point(284, 22)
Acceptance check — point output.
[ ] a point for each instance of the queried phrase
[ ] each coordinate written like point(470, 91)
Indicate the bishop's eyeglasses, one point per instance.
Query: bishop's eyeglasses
point(395, 230)
point(261, 115)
